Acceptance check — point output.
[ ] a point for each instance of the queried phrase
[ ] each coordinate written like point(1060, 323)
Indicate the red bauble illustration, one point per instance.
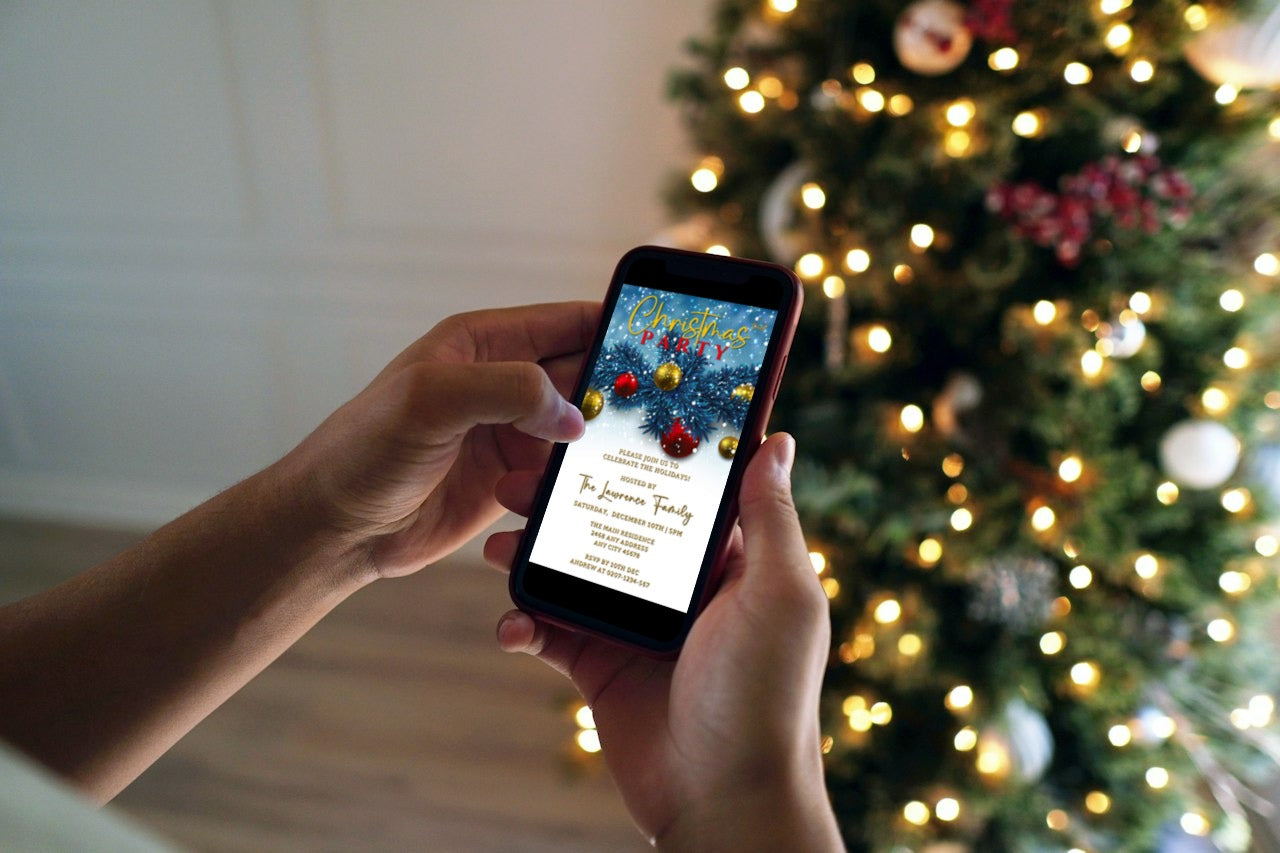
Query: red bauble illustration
point(678, 441)
point(626, 384)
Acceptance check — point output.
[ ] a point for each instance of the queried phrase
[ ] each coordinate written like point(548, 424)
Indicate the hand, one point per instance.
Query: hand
point(719, 749)
point(405, 472)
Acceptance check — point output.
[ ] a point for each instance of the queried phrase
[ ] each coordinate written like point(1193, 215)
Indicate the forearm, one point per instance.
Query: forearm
point(100, 675)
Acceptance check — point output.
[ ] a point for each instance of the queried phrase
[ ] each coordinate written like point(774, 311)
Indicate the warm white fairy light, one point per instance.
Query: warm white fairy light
point(718, 249)
point(1132, 141)
point(1091, 363)
point(1194, 823)
point(900, 105)
point(1273, 128)
point(1220, 630)
point(930, 551)
point(1140, 301)
point(1111, 7)
point(909, 645)
point(961, 519)
point(1097, 802)
point(947, 809)
point(704, 180)
point(1237, 358)
point(1234, 583)
point(959, 698)
point(831, 587)
point(1080, 577)
point(881, 714)
point(915, 813)
point(1267, 545)
point(751, 101)
point(871, 99)
point(863, 73)
point(887, 612)
point(1157, 777)
point(1167, 492)
point(1231, 300)
point(818, 560)
point(1261, 708)
point(1057, 820)
point(1162, 726)
point(1215, 400)
point(737, 78)
point(857, 260)
point(960, 112)
point(813, 196)
point(1267, 264)
point(879, 339)
point(1027, 124)
point(810, 265)
point(1196, 16)
point(1077, 73)
point(1235, 500)
point(833, 286)
point(1226, 94)
point(589, 740)
point(921, 236)
point(1053, 642)
point(1118, 36)
point(1141, 70)
point(1085, 674)
point(783, 7)
point(957, 142)
point(911, 417)
point(1150, 381)
point(1070, 469)
point(1044, 312)
point(1119, 735)
point(770, 86)
point(1004, 59)
point(993, 758)
point(1146, 566)
point(966, 739)
point(1043, 518)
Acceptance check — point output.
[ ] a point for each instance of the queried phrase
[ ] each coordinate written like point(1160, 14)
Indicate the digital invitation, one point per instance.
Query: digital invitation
point(637, 496)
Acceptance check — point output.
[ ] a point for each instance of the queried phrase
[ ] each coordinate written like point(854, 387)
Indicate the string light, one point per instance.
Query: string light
point(1236, 358)
point(1234, 583)
point(813, 196)
point(1220, 630)
point(819, 561)
point(589, 740)
point(1231, 300)
point(1097, 802)
point(1267, 545)
point(1118, 36)
point(1272, 399)
point(810, 265)
point(881, 714)
point(1196, 17)
point(1150, 381)
point(879, 339)
point(1167, 492)
point(831, 587)
point(959, 698)
point(737, 78)
point(1140, 301)
point(706, 177)
point(903, 274)
point(960, 112)
point(1274, 128)
point(1060, 607)
point(718, 249)
point(909, 645)
point(961, 520)
point(871, 99)
point(1120, 735)
point(1260, 710)
point(1226, 94)
point(956, 143)
point(1235, 500)
point(1142, 71)
point(1043, 519)
point(888, 611)
point(751, 102)
point(953, 465)
point(1194, 823)
point(1215, 400)
point(857, 260)
point(1070, 469)
point(921, 236)
point(1085, 674)
point(916, 813)
point(957, 493)
point(1027, 124)
point(862, 73)
point(993, 758)
point(900, 105)
point(1044, 312)
point(1080, 577)
point(911, 417)
point(1091, 364)
point(1053, 642)
point(1111, 7)
point(1146, 566)
point(1267, 264)
point(770, 86)
point(1157, 777)
point(1004, 59)
point(966, 739)
point(1056, 820)
point(947, 809)
point(1077, 73)
point(833, 286)
point(782, 7)
point(1132, 142)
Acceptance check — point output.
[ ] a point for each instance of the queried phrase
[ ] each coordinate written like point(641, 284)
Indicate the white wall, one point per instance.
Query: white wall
point(218, 219)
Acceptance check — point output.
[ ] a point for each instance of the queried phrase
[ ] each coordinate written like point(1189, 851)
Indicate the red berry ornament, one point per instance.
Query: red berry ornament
point(626, 384)
point(678, 441)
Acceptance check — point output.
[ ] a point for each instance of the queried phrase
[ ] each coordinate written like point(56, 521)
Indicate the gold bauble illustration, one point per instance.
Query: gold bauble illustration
point(592, 403)
point(728, 446)
point(668, 376)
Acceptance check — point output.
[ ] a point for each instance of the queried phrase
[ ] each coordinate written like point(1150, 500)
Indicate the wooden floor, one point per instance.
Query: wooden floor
point(395, 724)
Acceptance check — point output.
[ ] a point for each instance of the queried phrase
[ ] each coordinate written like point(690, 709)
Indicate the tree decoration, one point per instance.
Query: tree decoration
point(667, 376)
point(744, 392)
point(728, 446)
point(626, 384)
point(678, 441)
point(592, 403)
point(1044, 484)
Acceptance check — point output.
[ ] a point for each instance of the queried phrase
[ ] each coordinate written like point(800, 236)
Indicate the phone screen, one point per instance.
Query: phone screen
point(630, 517)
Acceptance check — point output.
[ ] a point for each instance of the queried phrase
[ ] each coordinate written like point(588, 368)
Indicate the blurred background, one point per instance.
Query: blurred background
point(218, 220)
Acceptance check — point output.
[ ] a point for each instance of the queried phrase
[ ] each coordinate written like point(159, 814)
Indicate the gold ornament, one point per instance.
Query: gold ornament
point(744, 392)
point(728, 446)
point(592, 403)
point(668, 376)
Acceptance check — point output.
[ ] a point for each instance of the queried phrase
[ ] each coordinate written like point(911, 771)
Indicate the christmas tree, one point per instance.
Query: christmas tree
point(1034, 394)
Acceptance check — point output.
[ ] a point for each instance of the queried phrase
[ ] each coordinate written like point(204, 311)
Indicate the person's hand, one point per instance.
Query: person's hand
point(404, 473)
point(719, 749)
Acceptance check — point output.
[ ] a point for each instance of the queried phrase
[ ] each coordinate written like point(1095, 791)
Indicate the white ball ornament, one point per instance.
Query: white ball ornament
point(1242, 52)
point(1124, 339)
point(780, 220)
point(931, 38)
point(1199, 454)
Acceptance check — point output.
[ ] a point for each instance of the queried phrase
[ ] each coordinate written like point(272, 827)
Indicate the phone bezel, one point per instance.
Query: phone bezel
point(580, 604)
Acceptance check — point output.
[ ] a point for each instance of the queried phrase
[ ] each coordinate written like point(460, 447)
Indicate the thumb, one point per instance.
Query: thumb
point(446, 400)
point(772, 538)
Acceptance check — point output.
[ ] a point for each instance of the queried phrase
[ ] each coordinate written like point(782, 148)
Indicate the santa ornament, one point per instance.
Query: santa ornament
point(931, 37)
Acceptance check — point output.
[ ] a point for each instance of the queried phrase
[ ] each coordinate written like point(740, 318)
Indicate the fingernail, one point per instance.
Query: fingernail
point(788, 451)
point(504, 627)
point(571, 422)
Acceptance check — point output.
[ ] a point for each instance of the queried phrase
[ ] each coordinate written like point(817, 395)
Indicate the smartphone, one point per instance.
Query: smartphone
point(631, 522)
